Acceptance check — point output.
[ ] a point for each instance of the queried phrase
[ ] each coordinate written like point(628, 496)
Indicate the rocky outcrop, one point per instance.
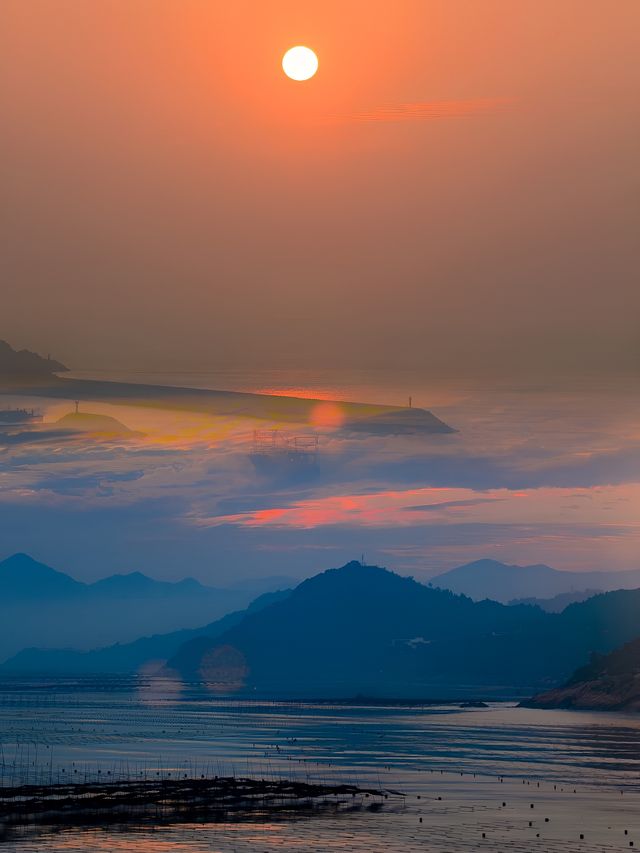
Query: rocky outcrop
point(608, 683)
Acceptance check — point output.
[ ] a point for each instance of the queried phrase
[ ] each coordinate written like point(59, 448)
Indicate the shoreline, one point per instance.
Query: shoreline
point(445, 810)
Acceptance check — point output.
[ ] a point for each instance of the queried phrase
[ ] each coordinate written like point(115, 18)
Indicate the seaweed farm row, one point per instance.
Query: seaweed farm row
point(167, 800)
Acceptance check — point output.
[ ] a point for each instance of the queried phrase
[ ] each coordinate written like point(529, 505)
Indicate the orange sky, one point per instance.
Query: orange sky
point(457, 185)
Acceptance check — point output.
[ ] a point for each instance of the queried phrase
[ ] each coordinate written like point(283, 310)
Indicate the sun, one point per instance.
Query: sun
point(300, 63)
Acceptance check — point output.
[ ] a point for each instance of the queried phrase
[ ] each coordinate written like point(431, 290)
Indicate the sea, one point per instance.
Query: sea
point(494, 777)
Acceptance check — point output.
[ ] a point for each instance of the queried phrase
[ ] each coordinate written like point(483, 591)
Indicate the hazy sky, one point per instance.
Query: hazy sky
point(458, 186)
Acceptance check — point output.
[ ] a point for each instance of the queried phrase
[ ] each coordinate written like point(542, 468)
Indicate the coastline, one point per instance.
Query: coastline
point(366, 417)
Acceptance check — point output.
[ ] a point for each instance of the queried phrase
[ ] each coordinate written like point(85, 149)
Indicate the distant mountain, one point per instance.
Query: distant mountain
point(42, 607)
point(22, 578)
point(607, 683)
point(126, 658)
point(135, 584)
point(21, 363)
point(559, 602)
point(364, 630)
point(501, 582)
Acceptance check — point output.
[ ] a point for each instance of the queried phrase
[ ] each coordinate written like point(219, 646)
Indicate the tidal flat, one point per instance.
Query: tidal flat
point(495, 778)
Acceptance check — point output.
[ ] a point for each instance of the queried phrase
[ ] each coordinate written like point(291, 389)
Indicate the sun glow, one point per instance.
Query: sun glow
point(300, 63)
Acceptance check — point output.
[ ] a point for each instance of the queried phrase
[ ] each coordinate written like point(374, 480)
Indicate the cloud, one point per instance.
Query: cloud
point(399, 508)
point(432, 110)
point(100, 484)
point(31, 437)
point(435, 507)
point(172, 501)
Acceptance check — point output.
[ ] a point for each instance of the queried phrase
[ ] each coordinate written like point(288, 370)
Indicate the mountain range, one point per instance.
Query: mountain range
point(353, 630)
point(40, 606)
point(502, 582)
point(362, 629)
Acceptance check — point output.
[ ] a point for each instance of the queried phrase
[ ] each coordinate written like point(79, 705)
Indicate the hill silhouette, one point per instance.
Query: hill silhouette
point(22, 577)
point(364, 630)
point(358, 629)
point(24, 363)
point(88, 422)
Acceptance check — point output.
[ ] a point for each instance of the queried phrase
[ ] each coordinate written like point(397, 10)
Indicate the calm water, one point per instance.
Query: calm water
point(474, 759)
